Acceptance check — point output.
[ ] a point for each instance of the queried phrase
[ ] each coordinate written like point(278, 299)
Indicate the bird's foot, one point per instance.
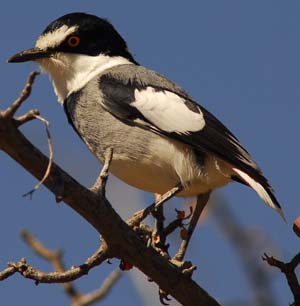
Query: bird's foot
point(163, 297)
point(186, 267)
point(186, 234)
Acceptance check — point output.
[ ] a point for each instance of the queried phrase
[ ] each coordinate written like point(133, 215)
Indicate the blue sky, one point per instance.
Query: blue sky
point(240, 59)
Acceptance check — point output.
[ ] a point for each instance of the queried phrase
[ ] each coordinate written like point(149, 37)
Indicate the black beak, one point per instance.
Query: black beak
point(28, 55)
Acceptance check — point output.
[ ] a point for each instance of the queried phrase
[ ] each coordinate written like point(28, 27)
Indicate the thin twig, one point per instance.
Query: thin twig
point(10, 112)
point(50, 145)
point(31, 115)
point(39, 248)
point(288, 269)
point(295, 261)
point(27, 271)
point(201, 202)
point(7, 273)
point(100, 293)
point(100, 184)
point(55, 258)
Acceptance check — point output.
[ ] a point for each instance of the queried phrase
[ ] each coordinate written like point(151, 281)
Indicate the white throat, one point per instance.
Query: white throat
point(71, 72)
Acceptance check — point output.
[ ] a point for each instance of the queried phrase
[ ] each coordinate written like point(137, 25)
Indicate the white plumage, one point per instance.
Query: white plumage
point(167, 111)
point(54, 38)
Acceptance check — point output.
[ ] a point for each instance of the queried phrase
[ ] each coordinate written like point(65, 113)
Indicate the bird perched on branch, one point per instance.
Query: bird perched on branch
point(159, 135)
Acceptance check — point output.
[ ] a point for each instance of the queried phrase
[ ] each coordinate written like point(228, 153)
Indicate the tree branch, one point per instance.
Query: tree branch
point(99, 186)
point(288, 269)
point(100, 293)
point(55, 258)
point(123, 242)
point(7, 273)
point(27, 271)
point(10, 111)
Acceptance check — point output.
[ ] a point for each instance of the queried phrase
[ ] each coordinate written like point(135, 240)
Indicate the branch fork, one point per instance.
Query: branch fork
point(288, 269)
point(8, 116)
point(122, 241)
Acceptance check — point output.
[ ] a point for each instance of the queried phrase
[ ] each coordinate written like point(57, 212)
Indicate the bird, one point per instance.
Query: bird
point(159, 134)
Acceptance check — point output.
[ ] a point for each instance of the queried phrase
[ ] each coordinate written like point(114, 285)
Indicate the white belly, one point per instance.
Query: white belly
point(167, 164)
point(144, 159)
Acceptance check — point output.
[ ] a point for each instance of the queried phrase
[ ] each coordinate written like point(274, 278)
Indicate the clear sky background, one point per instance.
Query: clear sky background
point(240, 59)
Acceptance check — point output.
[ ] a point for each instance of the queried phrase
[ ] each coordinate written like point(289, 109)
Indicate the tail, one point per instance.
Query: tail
point(263, 190)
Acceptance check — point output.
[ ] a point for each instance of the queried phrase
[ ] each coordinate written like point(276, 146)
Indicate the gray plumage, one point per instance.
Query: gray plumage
point(159, 134)
point(106, 118)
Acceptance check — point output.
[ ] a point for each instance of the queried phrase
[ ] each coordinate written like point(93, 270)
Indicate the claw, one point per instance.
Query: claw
point(163, 296)
point(58, 199)
point(189, 271)
point(149, 242)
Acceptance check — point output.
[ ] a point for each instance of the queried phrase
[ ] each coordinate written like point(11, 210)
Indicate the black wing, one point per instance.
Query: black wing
point(140, 96)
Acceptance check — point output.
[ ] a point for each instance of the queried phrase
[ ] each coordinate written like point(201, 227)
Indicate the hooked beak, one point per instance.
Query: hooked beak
point(29, 55)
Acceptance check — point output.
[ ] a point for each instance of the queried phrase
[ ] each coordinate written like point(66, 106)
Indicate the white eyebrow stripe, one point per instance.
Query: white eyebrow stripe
point(55, 38)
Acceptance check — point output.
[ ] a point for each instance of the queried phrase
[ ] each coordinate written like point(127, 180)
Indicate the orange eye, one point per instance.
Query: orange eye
point(73, 41)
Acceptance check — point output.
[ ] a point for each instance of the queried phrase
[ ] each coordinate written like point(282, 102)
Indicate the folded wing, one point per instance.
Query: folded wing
point(150, 101)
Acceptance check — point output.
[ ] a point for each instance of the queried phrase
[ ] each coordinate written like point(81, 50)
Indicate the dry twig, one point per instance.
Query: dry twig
point(122, 240)
point(31, 115)
point(101, 292)
point(99, 186)
point(27, 271)
point(7, 273)
point(50, 145)
point(55, 258)
point(10, 111)
point(288, 269)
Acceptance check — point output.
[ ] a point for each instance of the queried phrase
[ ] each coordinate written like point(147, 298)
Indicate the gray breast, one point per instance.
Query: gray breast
point(141, 158)
point(100, 130)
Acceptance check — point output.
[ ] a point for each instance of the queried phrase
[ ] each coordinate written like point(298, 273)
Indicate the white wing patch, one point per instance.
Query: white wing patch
point(54, 38)
point(167, 111)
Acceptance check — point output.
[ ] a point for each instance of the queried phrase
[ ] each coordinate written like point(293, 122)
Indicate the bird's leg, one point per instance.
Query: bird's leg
point(202, 200)
point(139, 216)
point(158, 236)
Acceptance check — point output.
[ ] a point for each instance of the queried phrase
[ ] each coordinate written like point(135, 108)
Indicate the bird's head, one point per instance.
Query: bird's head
point(74, 48)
